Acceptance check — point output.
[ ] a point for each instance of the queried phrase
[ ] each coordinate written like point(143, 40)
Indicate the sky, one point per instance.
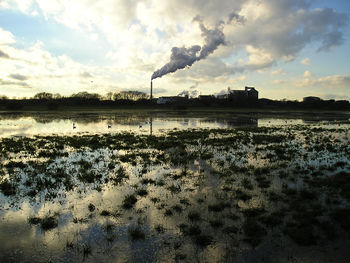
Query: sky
point(286, 49)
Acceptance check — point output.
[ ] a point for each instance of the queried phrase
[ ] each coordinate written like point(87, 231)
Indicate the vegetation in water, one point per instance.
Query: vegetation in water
point(197, 189)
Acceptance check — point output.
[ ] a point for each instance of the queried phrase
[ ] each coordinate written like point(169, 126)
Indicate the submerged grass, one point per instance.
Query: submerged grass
point(215, 185)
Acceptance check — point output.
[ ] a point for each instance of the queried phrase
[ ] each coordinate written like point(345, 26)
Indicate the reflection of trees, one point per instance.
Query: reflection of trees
point(143, 118)
point(233, 122)
point(11, 116)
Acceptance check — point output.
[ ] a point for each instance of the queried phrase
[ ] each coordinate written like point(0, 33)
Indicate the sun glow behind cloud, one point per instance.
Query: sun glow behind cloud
point(124, 42)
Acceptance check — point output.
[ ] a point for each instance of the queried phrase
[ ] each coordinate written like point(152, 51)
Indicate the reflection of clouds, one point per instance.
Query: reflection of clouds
point(16, 127)
point(96, 124)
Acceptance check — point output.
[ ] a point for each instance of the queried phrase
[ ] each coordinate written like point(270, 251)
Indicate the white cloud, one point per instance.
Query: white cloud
point(280, 82)
point(341, 82)
point(6, 37)
point(258, 58)
point(36, 70)
point(308, 74)
point(278, 72)
point(141, 34)
point(306, 62)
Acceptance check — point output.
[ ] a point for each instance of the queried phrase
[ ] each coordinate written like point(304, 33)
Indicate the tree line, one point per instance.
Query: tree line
point(52, 101)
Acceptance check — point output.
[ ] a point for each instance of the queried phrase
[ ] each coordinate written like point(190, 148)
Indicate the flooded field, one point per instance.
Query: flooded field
point(174, 189)
point(77, 123)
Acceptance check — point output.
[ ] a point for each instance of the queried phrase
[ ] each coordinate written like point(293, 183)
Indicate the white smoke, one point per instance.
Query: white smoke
point(185, 57)
point(189, 93)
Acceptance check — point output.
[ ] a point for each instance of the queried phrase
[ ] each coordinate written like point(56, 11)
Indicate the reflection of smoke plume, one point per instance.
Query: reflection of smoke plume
point(185, 57)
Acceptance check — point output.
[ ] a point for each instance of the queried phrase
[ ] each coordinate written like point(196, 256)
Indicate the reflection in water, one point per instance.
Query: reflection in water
point(99, 123)
point(28, 124)
point(150, 126)
point(199, 196)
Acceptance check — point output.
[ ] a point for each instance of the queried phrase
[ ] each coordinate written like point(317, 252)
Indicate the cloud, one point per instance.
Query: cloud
point(86, 75)
point(306, 62)
point(278, 72)
point(335, 96)
point(341, 82)
point(3, 55)
point(280, 82)
point(308, 74)
point(141, 33)
point(20, 84)
point(234, 17)
point(259, 58)
point(280, 29)
point(6, 37)
point(18, 77)
point(336, 81)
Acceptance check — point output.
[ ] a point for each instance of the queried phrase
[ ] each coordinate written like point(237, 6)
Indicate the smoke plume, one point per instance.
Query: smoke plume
point(185, 57)
point(191, 93)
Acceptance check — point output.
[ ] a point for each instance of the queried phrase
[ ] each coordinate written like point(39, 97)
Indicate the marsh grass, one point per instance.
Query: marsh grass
point(203, 240)
point(246, 183)
point(159, 228)
point(105, 213)
point(210, 183)
point(219, 206)
point(177, 208)
point(129, 201)
point(34, 220)
point(142, 192)
point(48, 222)
point(194, 216)
point(136, 233)
point(91, 207)
point(8, 188)
point(216, 223)
point(254, 232)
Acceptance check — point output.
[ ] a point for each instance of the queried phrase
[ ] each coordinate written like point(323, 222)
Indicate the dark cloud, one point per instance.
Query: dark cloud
point(3, 54)
point(18, 77)
point(276, 31)
point(331, 40)
point(20, 84)
point(234, 17)
point(86, 75)
point(286, 29)
point(336, 96)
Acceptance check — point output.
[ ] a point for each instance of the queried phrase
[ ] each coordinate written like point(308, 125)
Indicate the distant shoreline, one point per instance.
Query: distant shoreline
point(186, 112)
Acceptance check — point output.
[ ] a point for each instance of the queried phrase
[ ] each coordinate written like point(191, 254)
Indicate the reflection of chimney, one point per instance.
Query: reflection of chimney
point(151, 90)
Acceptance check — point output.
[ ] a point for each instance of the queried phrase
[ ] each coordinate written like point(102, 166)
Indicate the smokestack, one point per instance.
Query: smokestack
point(151, 90)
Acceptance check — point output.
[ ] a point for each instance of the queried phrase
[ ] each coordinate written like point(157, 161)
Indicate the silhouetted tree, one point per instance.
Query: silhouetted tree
point(130, 95)
point(43, 95)
point(86, 95)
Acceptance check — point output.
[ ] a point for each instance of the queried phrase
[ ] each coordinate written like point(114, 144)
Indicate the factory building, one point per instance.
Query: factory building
point(248, 94)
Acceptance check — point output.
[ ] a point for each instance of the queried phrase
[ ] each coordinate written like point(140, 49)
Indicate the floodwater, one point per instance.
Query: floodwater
point(30, 124)
point(259, 189)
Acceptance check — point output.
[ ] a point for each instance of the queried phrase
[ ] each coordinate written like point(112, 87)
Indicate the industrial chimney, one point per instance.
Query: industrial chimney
point(151, 91)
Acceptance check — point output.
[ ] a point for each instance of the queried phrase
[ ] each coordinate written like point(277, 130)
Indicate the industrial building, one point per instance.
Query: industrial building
point(248, 94)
